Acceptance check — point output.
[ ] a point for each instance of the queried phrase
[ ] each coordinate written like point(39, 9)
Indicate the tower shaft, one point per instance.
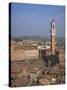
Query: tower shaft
point(53, 45)
point(53, 37)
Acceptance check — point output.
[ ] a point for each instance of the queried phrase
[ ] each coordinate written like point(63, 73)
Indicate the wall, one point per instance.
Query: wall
point(21, 54)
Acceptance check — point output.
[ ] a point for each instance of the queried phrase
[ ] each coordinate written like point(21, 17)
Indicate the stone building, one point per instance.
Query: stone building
point(21, 52)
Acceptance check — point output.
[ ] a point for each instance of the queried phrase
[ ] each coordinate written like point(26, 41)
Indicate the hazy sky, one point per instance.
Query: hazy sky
point(33, 19)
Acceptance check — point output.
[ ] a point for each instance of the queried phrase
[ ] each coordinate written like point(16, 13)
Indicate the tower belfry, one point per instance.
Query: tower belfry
point(53, 36)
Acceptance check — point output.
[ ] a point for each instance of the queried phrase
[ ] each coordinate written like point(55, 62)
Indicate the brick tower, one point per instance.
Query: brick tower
point(53, 36)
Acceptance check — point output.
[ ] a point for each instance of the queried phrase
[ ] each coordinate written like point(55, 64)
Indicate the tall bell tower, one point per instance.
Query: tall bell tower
point(53, 36)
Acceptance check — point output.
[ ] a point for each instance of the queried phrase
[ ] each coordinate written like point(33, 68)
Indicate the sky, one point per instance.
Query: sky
point(35, 19)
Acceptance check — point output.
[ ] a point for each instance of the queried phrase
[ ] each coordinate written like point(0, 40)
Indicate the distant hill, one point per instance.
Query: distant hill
point(42, 38)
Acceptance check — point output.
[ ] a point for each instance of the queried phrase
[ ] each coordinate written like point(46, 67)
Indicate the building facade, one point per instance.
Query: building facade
point(19, 53)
